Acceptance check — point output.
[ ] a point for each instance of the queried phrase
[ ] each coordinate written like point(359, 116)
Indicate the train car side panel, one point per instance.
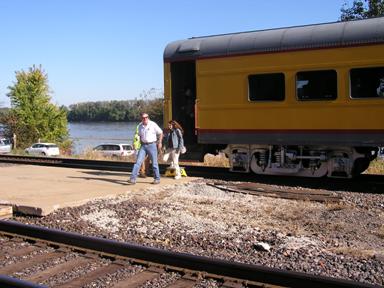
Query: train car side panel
point(224, 104)
point(305, 100)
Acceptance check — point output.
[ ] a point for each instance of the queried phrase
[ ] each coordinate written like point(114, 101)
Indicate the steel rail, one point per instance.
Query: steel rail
point(245, 272)
point(67, 162)
point(365, 182)
point(122, 166)
point(10, 282)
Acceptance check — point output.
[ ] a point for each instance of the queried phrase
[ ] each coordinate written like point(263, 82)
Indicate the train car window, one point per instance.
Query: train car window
point(316, 85)
point(266, 87)
point(367, 82)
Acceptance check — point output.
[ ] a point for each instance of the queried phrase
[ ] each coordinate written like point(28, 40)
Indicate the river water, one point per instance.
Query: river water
point(86, 135)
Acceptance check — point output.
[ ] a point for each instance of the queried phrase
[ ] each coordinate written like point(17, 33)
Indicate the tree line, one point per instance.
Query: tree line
point(116, 111)
point(107, 111)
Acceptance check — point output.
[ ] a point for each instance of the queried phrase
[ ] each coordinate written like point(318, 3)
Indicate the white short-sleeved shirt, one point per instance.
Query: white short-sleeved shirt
point(149, 132)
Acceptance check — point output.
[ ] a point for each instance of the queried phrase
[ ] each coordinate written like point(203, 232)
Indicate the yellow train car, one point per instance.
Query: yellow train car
point(303, 101)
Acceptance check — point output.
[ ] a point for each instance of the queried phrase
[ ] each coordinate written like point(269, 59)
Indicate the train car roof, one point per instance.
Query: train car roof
point(326, 35)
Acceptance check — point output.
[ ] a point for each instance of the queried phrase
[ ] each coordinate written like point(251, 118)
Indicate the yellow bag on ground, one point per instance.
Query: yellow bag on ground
point(171, 172)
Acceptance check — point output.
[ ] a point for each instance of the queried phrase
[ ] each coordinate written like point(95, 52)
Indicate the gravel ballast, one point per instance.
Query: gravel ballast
point(343, 240)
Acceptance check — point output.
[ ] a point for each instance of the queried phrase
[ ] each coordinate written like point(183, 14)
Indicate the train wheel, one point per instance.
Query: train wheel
point(255, 168)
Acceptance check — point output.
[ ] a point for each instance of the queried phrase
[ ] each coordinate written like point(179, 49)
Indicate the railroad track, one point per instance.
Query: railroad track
point(122, 166)
point(363, 183)
point(33, 256)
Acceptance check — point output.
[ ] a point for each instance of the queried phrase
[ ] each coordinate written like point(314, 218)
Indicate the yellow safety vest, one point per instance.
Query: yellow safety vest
point(136, 139)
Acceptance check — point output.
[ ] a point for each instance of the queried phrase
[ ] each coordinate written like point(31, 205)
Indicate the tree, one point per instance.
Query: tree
point(150, 101)
point(32, 116)
point(362, 9)
point(3, 112)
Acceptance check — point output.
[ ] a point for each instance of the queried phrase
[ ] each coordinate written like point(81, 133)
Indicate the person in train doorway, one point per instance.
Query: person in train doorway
point(151, 137)
point(174, 145)
point(380, 89)
point(144, 168)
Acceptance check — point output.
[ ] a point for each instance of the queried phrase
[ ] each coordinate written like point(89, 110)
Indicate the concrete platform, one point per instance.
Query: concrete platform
point(39, 190)
point(6, 211)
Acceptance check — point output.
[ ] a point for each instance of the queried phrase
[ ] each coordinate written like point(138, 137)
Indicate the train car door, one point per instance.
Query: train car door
point(183, 79)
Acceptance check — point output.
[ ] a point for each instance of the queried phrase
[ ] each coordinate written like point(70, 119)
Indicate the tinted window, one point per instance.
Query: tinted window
point(51, 146)
point(107, 147)
point(316, 85)
point(5, 141)
point(127, 147)
point(367, 82)
point(266, 87)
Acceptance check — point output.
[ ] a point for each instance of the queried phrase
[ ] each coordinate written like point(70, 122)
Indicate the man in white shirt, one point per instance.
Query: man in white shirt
point(151, 137)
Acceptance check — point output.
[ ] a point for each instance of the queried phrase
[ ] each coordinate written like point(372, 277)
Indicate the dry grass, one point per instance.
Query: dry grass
point(89, 154)
point(376, 167)
point(209, 159)
point(219, 160)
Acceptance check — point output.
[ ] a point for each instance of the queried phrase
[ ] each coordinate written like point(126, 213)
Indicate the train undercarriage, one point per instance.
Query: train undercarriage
point(306, 161)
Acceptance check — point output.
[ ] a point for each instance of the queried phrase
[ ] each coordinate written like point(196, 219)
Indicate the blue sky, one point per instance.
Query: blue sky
point(101, 50)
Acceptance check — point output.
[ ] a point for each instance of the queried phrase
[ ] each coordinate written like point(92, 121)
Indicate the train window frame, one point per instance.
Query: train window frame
point(276, 82)
point(333, 95)
point(374, 88)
